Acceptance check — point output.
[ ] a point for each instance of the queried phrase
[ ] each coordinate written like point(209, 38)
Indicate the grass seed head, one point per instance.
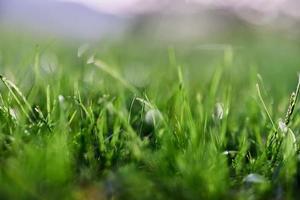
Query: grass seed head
point(293, 100)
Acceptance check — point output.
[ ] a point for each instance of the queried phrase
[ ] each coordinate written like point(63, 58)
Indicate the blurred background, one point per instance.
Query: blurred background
point(163, 19)
point(260, 34)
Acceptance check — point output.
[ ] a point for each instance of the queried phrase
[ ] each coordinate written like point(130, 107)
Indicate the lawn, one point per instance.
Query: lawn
point(143, 120)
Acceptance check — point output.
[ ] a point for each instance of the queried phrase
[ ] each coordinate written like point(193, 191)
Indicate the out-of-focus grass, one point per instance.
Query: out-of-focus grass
point(144, 121)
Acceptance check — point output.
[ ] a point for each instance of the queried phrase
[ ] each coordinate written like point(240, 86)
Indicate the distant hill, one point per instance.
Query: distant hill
point(163, 20)
point(65, 19)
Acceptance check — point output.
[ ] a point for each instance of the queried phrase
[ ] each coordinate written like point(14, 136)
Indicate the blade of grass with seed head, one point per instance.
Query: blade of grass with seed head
point(293, 100)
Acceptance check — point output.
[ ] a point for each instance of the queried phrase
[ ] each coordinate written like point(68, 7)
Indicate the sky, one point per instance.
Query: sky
point(110, 6)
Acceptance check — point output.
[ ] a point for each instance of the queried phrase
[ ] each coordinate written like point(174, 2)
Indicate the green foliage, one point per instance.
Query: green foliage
point(99, 126)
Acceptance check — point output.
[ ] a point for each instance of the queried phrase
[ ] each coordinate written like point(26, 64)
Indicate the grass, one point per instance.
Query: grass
point(116, 123)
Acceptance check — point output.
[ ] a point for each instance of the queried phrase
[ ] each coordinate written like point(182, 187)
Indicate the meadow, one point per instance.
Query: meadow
point(139, 120)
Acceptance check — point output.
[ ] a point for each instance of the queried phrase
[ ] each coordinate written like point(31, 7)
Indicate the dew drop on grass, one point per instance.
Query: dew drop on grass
point(61, 99)
point(282, 126)
point(153, 117)
point(229, 153)
point(254, 178)
point(13, 113)
point(218, 112)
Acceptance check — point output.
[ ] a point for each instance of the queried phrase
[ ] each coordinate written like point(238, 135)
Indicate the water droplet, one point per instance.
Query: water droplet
point(218, 112)
point(153, 117)
point(254, 178)
point(282, 126)
point(61, 99)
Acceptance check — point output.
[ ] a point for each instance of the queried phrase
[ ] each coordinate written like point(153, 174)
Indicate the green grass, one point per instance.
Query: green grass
point(147, 122)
